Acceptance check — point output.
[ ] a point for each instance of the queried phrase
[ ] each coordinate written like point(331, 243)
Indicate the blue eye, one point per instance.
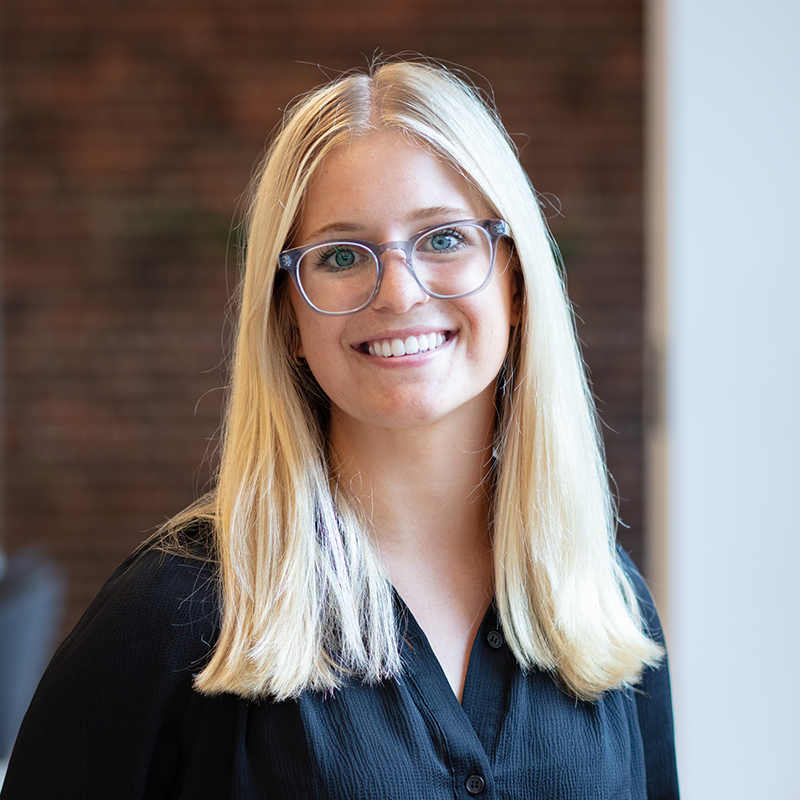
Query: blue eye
point(344, 258)
point(443, 240)
point(337, 258)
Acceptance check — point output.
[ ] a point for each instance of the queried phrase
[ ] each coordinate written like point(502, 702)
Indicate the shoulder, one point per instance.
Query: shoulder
point(120, 686)
point(654, 699)
point(177, 577)
point(157, 612)
point(626, 562)
point(647, 605)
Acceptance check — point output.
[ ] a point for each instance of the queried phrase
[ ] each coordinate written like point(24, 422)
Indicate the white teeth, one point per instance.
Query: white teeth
point(406, 347)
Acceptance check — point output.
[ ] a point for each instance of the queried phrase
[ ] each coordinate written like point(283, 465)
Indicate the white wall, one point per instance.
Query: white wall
point(725, 307)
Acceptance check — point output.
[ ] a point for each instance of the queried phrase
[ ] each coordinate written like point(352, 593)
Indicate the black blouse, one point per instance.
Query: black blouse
point(116, 717)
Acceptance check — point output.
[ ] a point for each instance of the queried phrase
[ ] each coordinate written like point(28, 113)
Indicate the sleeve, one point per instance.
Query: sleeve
point(654, 701)
point(106, 719)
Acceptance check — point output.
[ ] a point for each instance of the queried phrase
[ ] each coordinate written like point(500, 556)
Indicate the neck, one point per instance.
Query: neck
point(419, 487)
point(424, 492)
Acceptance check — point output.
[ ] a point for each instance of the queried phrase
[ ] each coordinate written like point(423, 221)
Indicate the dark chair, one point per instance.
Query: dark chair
point(31, 603)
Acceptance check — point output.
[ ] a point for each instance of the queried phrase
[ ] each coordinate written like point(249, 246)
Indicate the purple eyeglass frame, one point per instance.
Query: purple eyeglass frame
point(289, 260)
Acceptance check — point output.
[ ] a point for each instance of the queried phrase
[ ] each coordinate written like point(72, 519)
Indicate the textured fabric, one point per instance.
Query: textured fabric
point(115, 716)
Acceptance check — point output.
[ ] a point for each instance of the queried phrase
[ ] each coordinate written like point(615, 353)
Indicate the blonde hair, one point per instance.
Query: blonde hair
point(303, 597)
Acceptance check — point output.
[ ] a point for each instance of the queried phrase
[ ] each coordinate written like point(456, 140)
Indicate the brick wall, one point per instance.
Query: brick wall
point(130, 128)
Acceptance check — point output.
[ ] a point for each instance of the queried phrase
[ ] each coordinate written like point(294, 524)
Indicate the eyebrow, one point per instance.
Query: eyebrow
point(440, 211)
point(418, 215)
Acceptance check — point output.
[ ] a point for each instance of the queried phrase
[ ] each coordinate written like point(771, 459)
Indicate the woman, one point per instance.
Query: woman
point(405, 584)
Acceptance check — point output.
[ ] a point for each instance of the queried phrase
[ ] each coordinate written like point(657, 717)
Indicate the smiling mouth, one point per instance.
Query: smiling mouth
point(411, 345)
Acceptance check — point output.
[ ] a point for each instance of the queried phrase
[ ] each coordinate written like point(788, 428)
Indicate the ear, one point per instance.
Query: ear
point(517, 294)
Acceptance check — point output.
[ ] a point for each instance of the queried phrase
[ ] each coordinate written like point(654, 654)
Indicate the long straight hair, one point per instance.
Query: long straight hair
point(304, 600)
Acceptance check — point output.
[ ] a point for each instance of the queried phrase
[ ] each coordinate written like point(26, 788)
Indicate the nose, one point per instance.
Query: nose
point(399, 290)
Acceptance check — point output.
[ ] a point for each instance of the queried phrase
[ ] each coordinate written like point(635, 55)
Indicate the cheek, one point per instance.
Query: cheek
point(320, 345)
point(494, 321)
point(494, 353)
point(314, 332)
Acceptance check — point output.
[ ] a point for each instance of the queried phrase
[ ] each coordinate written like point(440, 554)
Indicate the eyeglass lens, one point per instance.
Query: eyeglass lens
point(449, 261)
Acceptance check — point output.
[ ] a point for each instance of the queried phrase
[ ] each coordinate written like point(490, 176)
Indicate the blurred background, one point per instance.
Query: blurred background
point(661, 137)
point(131, 129)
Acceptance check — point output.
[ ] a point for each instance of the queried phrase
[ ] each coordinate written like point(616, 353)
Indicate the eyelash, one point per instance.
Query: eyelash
point(325, 255)
point(453, 232)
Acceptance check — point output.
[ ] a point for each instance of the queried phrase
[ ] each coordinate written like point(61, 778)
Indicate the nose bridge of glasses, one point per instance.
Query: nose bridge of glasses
point(397, 278)
point(402, 250)
point(403, 247)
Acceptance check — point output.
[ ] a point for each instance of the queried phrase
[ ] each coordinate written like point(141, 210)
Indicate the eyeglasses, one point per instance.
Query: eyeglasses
point(447, 262)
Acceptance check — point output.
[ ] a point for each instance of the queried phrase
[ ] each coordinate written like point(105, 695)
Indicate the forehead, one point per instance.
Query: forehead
point(381, 181)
